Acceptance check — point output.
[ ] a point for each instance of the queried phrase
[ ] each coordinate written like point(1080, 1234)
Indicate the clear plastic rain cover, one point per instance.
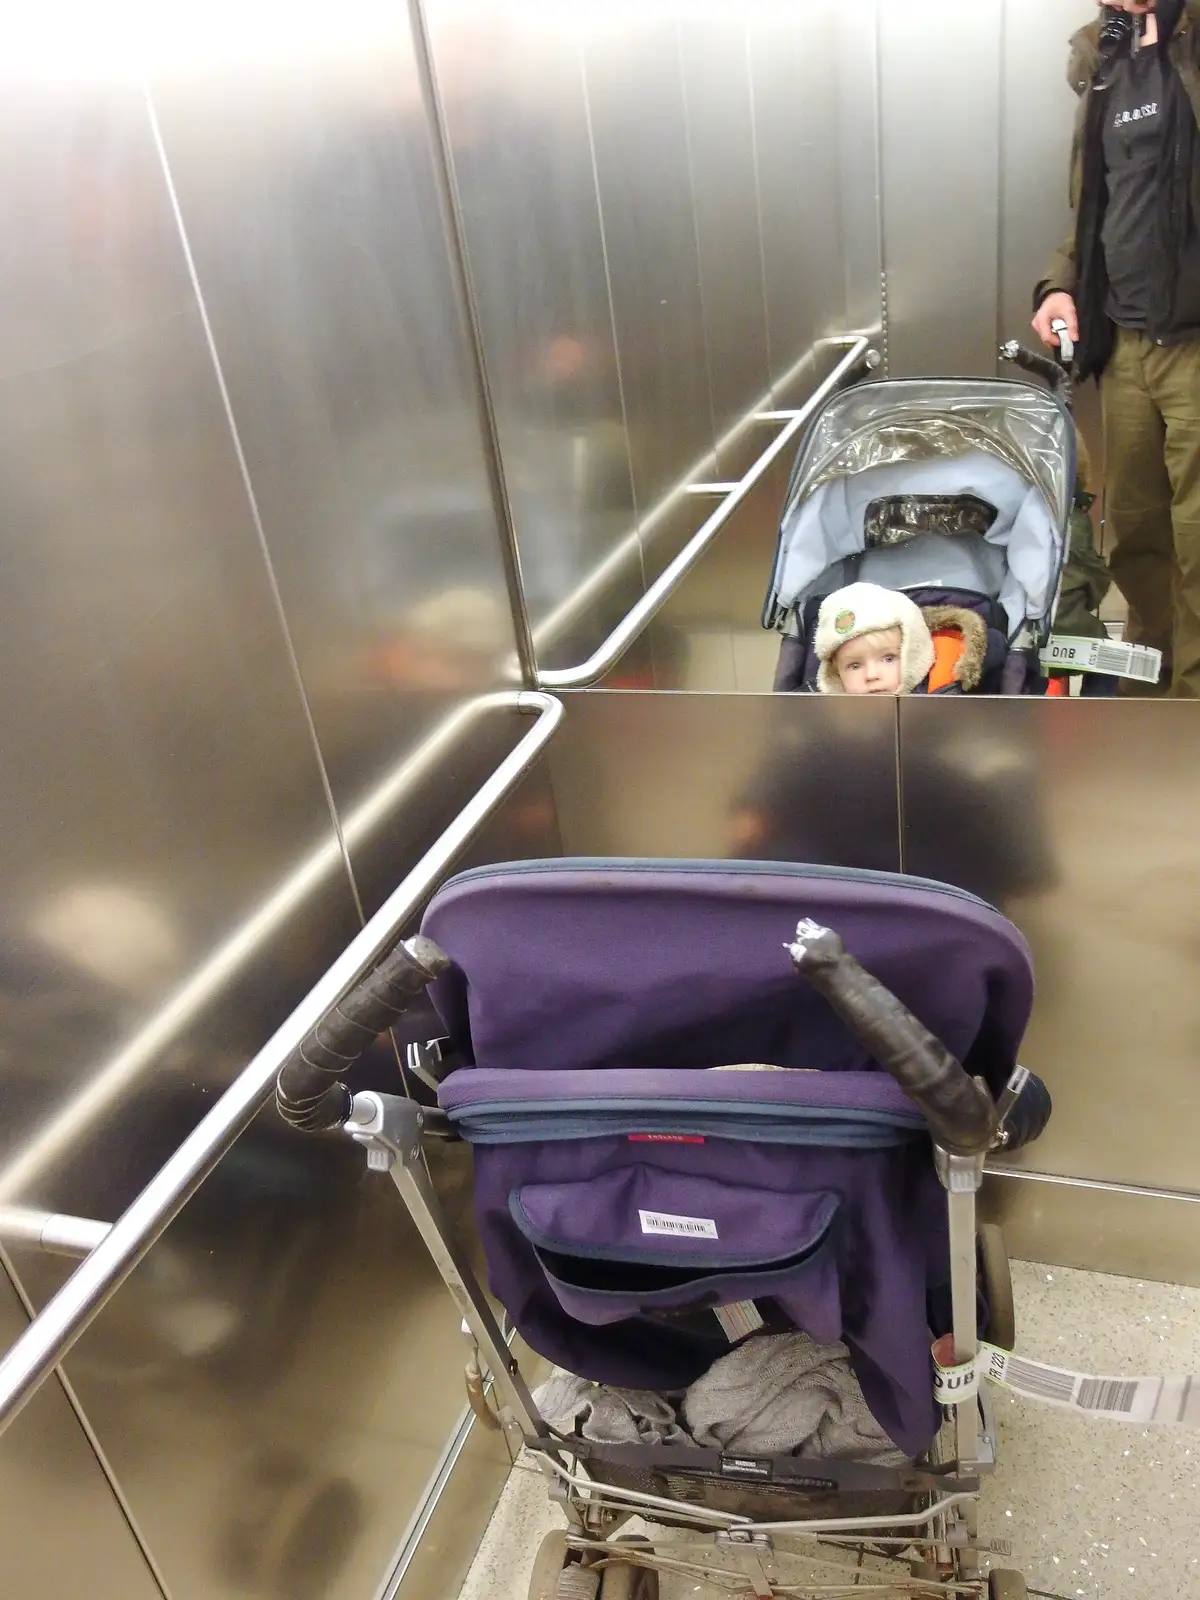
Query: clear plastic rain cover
point(992, 463)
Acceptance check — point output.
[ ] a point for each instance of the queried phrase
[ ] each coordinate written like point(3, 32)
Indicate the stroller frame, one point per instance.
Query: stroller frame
point(939, 1543)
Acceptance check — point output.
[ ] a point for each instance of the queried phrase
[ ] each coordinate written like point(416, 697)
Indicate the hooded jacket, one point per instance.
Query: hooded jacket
point(945, 649)
point(1077, 266)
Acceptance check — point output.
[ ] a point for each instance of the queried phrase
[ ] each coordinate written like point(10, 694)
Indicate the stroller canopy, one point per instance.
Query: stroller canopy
point(1009, 446)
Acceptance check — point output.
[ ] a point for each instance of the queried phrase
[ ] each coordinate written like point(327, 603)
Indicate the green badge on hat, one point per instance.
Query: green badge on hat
point(843, 622)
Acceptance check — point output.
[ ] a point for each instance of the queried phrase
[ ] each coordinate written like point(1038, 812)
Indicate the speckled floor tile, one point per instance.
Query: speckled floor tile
point(1095, 1510)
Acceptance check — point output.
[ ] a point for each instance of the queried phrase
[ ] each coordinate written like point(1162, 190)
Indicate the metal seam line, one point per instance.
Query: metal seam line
point(251, 493)
point(460, 266)
point(54, 1330)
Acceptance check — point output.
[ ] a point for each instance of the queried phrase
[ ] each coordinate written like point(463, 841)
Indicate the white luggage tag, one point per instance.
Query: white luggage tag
point(1171, 1401)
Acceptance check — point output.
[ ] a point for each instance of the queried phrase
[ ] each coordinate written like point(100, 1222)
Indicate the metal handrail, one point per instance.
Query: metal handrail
point(54, 1232)
point(109, 1079)
point(660, 591)
point(56, 1327)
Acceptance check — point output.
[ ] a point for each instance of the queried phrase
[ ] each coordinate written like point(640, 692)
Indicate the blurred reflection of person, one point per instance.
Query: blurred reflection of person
point(1127, 285)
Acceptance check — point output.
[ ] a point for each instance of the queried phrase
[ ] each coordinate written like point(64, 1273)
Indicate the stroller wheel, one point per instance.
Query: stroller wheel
point(548, 1566)
point(1007, 1586)
point(622, 1581)
point(997, 1284)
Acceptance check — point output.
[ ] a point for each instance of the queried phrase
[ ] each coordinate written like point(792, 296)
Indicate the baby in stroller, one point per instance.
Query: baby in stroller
point(954, 493)
point(871, 640)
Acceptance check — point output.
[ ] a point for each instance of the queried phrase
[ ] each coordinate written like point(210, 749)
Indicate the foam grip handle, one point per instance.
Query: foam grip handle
point(308, 1090)
point(1033, 361)
point(960, 1112)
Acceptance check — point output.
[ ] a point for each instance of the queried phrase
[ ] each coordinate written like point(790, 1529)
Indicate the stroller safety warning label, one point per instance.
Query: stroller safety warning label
point(680, 1227)
point(1164, 1400)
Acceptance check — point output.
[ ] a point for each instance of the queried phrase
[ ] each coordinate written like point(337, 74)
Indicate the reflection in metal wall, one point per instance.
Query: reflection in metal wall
point(794, 58)
point(159, 774)
point(312, 216)
point(513, 90)
point(639, 132)
point(61, 1531)
point(714, 51)
point(173, 877)
point(1090, 807)
point(759, 777)
point(1076, 818)
point(939, 117)
point(620, 170)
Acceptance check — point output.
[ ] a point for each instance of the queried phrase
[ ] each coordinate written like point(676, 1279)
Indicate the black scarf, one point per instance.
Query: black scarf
point(1178, 217)
point(1178, 167)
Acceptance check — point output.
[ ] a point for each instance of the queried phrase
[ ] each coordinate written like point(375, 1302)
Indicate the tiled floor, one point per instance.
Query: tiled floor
point(1094, 1510)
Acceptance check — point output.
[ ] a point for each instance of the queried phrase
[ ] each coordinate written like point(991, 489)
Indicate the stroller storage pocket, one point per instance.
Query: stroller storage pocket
point(641, 1242)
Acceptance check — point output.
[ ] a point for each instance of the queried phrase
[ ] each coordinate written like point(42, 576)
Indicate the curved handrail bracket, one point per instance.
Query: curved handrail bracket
point(56, 1327)
point(656, 596)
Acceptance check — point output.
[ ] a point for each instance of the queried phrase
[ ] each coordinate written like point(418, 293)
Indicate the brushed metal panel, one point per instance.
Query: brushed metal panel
point(275, 1383)
point(794, 58)
point(159, 773)
point(940, 119)
point(1134, 1234)
point(1078, 818)
point(639, 134)
point(709, 635)
point(1037, 108)
point(62, 1531)
point(767, 777)
point(721, 146)
point(513, 91)
point(306, 186)
point(860, 175)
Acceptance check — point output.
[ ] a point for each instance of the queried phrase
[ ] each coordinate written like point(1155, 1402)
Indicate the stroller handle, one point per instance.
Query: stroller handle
point(309, 1091)
point(1056, 373)
point(961, 1114)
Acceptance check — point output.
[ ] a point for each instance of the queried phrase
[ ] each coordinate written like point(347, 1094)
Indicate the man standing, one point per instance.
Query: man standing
point(1127, 285)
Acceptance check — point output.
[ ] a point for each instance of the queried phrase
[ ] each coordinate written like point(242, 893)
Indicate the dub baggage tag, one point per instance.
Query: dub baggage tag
point(1171, 1401)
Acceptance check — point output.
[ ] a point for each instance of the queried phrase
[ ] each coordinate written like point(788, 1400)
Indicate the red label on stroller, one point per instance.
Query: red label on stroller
point(666, 1138)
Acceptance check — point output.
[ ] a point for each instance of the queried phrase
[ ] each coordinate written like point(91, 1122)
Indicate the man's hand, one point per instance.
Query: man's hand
point(1056, 307)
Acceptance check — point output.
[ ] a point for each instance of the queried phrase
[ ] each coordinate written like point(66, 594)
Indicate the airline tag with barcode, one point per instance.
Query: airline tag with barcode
point(1174, 1401)
point(1065, 653)
point(679, 1227)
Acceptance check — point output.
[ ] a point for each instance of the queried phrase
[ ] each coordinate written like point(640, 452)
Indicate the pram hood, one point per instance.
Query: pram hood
point(623, 1190)
point(593, 963)
point(1010, 444)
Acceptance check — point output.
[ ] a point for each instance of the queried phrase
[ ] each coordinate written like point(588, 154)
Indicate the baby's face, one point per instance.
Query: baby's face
point(870, 664)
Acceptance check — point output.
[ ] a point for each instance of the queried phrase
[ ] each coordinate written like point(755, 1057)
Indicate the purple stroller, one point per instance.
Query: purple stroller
point(643, 1214)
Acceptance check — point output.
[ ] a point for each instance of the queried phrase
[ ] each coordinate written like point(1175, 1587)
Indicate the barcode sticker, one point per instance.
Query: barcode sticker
point(1175, 1401)
point(739, 1320)
point(1068, 654)
point(679, 1227)
point(1108, 1394)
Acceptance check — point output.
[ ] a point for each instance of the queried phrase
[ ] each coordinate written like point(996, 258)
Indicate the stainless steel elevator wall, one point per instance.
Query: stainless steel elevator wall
point(63, 1531)
point(250, 561)
point(655, 204)
point(976, 130)
point(1075, 817)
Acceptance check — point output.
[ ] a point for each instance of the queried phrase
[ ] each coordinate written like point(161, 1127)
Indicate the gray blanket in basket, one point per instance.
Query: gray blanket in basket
point(778, 1394)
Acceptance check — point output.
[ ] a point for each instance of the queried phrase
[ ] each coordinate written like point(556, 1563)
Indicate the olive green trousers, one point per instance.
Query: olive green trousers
point(1150, 395)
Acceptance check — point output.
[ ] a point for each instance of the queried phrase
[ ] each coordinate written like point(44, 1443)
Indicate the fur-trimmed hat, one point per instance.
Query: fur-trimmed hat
point(866, 608)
